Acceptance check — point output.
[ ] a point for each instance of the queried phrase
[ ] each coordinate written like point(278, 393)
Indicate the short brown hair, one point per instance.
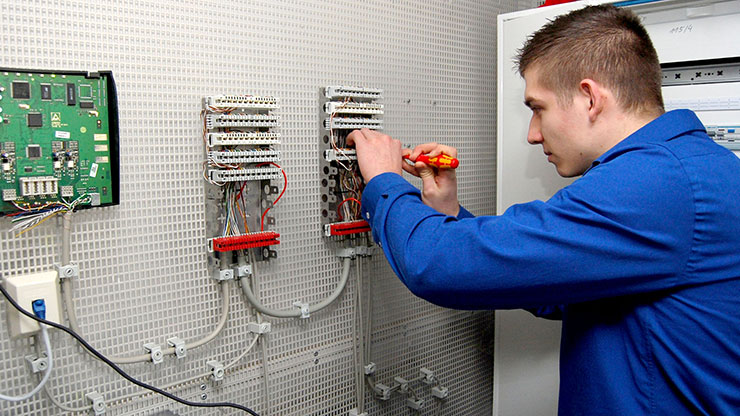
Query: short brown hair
point(604, 43)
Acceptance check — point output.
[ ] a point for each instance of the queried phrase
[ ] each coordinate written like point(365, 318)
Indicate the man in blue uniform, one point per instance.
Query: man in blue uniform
point(639, 257)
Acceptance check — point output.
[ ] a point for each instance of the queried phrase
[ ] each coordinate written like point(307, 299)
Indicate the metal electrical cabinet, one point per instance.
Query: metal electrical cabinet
point(693, 38)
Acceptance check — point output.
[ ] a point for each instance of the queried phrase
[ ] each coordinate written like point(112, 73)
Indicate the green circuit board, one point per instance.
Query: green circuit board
point(58, 138)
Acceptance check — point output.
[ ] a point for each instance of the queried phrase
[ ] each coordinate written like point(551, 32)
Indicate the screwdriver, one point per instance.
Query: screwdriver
point(441, 161)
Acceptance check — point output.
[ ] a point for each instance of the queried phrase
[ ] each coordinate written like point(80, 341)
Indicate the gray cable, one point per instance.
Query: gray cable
point(296, 313)
point(42, 383)
point(255, 286)
point(72, 315)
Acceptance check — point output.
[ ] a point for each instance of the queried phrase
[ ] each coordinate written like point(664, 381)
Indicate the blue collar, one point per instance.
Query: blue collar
point(664, 128)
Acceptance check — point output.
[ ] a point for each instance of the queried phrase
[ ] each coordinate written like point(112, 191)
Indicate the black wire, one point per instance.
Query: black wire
point(118, 370)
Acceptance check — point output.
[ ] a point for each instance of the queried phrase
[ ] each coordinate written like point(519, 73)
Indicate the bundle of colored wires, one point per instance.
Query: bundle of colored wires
point(30, 216)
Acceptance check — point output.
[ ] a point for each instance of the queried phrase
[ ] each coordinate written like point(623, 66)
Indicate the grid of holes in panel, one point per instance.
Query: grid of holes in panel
point(144, 275)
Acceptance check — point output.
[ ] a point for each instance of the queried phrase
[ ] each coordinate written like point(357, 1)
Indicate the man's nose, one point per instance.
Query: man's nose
point(534, 135)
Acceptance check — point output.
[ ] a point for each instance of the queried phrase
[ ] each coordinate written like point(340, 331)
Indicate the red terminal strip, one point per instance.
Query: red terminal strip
point(240, 242)
point(347, 227)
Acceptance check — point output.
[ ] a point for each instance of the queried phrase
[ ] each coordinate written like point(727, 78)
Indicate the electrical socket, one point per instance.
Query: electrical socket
point(25, 289)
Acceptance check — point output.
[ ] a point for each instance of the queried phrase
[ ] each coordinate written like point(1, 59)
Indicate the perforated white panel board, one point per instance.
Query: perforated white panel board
point(143, 264)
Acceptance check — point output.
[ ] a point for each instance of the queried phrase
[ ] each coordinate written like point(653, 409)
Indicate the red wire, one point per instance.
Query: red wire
point(262, 220)
point(342, 203)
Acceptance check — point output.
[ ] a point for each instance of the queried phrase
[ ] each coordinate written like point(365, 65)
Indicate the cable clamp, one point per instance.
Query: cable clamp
point(403, 384)
point(352, 252)
point(305, 312)
point(98, 402)
point(155, 351)
point(370, 369)
point(37, 364)
point(217, 370)
point(440, 392)
point(68, 270)
point(415, 403)
point(262, 328)
point(225, 274)
point(355, 412)
point(244, 271)
point(348, 252)
point(427, 376)
point(382, 392)
point(179, 345)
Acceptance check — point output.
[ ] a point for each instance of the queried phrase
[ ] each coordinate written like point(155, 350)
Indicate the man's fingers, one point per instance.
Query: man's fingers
point(426, 174)
point(353, 137)
point(409, 168)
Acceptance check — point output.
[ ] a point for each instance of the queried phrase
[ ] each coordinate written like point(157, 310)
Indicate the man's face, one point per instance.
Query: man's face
point(561, 130)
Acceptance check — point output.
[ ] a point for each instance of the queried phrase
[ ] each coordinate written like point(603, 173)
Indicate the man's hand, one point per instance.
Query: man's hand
point(439, 185)
point(376, 153)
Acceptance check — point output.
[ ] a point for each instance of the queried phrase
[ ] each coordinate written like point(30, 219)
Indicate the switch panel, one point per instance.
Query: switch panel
point(27, 288)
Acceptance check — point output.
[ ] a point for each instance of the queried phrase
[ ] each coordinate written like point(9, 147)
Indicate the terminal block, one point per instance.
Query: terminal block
point(244, 156)
point(39, 185)
point(340, 92)
point(348, 107)
point(727, 136)
point(343, 109)
point(241, 242)
point(240, 140)
point(241, 102)
point(353, 123)
point(344, 155)
point(346, 228)
point(241, 175)
point(242, 120)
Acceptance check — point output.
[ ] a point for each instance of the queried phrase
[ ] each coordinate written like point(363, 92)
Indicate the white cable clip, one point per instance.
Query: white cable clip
point(98, 402)
point(217, 370)
point(68, 270)
point(427, 376)
point(224, 274)
point(179, 345)
point(244, 271)
point(261, 328)
point(305, 312)
point(155, 351)
point(403, 384)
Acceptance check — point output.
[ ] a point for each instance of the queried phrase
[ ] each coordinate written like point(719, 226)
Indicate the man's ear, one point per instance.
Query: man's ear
point(594, 97)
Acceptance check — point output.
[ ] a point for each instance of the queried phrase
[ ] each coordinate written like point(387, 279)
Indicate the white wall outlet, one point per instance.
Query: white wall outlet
point(27, 288)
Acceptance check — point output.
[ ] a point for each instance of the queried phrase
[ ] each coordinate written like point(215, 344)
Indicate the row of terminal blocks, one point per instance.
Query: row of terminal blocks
point(342, 109)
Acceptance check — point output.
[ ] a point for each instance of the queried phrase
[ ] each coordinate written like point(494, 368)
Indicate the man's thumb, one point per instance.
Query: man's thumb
point(426, 174)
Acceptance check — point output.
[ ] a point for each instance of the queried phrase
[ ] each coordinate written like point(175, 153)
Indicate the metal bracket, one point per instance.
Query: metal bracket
point(37, 364)
point(370, 369)
point(98, 402)
point(382, 392)
point(403, 384)
point(305, 312)
point(427, 376)
point(180, 348)
point(352, 252)
point(68, 270)
point(415, 403)
point(440, 392)
point(217, 370)
point(155, 351)
point(224, 274)
point(256, 328)
point(244, 271)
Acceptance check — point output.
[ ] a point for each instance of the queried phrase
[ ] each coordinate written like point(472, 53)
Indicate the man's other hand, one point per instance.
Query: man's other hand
point(439, 185)
point(376, 153)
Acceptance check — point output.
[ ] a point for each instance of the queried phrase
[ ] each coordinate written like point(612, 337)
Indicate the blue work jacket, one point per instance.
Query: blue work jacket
point(640, 258)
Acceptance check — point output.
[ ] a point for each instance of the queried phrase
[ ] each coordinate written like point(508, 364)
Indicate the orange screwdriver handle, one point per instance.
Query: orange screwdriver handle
point(441, 161)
